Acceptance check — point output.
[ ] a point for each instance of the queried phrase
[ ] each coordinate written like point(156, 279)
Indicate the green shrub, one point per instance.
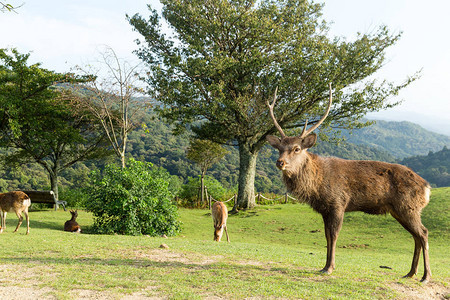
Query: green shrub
point(133, 201)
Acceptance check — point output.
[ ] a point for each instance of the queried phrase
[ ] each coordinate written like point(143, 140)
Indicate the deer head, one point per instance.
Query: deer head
point(74, 214)
point(293, 149)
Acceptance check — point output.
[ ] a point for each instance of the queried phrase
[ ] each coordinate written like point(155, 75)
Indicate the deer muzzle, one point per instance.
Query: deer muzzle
point(281, 164)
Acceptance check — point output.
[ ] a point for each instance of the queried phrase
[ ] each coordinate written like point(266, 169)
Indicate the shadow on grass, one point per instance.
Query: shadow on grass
point(174, 265)
point(11, 224)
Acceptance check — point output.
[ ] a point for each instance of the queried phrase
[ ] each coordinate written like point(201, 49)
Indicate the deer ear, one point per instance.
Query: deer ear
point(273, 141)
point(309, 141)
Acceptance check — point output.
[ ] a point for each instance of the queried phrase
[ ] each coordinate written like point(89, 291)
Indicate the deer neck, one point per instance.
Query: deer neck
point(305, 183)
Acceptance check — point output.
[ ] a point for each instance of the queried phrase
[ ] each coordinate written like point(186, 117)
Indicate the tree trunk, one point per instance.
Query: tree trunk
point(54, 184)
point(124, 148)
point(246, 181)
point(122, 160)
point(202, 188)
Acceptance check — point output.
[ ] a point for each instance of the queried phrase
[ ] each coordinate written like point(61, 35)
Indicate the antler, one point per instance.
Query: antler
point(273, 116)
point(306, 132)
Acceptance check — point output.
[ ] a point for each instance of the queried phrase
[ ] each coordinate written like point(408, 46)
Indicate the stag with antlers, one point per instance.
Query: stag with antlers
point(333, 186)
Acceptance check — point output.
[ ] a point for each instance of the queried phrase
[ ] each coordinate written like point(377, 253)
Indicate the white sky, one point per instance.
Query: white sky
point(64, 33)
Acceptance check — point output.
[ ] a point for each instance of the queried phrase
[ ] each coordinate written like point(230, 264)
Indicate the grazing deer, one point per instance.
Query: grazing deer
point(72, 225)
point(220, 216)
point(333, 186)
point(17, 202)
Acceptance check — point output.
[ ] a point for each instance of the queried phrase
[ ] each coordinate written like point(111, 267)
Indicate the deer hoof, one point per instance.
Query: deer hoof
point(409, 275)
point(425, 280)
point(326, 271)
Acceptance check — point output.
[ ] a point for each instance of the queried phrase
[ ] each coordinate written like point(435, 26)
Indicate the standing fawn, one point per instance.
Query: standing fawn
point(72, 225)
point(220, 216)
point(17, 202)
point(333, 186)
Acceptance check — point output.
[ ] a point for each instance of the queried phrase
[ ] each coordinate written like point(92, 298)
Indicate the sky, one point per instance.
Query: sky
point(62, 34)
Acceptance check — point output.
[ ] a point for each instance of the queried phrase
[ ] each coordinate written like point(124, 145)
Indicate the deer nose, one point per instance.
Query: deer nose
point(280, 164)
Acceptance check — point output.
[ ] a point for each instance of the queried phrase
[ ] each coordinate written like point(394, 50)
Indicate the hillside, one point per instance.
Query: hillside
point(434, 167)
point(156, 144)
point(160, 147)
point(401, 139)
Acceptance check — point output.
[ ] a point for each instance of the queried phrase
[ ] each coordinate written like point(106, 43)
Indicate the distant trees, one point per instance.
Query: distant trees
point(38, 123)
point(434, 167)
point(189, 191)
point(109, 95)
point(225, 59)
point(205, 154)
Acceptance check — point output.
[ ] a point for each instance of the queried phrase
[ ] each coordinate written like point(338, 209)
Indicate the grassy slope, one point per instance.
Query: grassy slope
point(275, 251)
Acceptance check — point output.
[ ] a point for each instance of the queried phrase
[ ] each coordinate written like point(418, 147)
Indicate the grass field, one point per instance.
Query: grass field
point(275, 252)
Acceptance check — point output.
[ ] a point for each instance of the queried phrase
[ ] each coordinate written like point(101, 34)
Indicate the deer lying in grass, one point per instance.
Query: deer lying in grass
point(220, 215)
point(333, 186)
point(17, 202)
point(72, 225)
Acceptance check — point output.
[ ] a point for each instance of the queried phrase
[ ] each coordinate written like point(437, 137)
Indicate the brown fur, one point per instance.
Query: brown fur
point(17, 202)
point(333, 186)
point(72, 225)
point(219, 214)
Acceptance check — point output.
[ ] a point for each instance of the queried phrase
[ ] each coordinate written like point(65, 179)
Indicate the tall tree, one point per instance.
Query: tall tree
point(205, 154)
point(226, 58)
point(112, 98)
point(38, 121)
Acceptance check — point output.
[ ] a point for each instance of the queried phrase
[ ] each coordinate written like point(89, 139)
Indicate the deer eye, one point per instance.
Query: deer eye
point(297, 149)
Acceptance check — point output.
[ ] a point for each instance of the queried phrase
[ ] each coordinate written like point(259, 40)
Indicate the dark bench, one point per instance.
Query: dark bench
point(45, 197)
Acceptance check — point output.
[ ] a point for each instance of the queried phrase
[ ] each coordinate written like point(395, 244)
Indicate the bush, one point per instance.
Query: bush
point(133, 201)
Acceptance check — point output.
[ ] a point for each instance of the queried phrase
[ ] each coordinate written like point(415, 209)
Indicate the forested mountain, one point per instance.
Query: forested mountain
point(401, 139)
point(160, 147)
point(155, 143)
point(435, 167)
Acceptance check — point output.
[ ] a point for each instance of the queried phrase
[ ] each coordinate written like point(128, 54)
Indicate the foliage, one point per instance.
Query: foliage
point(38, 123)
point(134, 200)
point(205, 153)
point(189, 193)
point(346, 150)
point(226, 58)
point(434, 167)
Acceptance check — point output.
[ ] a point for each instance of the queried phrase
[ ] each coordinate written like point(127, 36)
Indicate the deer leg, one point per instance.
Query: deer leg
point(416, 257)
point(414, 226)
point(327, 236)
point(226, 231)
point(333, 224)
point(426, 259)
point(3, 217)
point(28, 221)
point(19, 215)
